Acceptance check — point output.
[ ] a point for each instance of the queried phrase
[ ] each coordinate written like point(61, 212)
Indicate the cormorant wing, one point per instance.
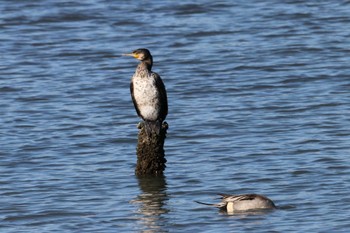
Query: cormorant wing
point(133, 99)
point(162, 96)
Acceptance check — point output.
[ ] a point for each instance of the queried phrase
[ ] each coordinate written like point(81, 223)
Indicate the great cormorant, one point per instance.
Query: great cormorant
point(148, 92)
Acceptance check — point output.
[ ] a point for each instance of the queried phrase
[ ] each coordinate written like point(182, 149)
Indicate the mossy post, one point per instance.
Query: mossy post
point(150, 151)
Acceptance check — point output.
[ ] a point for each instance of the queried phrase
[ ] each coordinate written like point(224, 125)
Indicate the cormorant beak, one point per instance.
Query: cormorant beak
point(131, 55)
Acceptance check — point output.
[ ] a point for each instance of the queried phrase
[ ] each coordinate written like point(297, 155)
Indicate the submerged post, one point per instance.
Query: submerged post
point(150, 151)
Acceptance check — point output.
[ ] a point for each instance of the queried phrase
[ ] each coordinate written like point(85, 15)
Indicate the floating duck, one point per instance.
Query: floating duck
point(242, 202)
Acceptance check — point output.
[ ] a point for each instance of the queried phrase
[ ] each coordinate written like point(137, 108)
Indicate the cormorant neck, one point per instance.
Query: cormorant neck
point(147, 63)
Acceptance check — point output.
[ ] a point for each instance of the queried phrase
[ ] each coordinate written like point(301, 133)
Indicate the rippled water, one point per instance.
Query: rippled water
point(258, 102)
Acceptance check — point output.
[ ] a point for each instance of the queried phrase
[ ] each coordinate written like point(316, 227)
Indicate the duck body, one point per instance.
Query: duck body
point(243, 202)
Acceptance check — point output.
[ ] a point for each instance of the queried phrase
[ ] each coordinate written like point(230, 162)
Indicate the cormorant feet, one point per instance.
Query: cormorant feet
point(140, 124)
point(165, 125)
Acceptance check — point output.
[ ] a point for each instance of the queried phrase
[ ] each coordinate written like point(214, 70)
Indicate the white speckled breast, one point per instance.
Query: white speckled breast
point(145, 94)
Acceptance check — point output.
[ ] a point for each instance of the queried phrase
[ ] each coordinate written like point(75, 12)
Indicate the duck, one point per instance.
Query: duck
point(243, 202)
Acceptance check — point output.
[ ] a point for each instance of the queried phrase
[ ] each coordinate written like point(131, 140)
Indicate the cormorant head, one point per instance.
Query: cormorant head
point(144, 56)
point(140, 54)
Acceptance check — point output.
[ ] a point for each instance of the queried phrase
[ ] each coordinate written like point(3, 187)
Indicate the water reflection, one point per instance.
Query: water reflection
point(152, 201)
point(248, 213)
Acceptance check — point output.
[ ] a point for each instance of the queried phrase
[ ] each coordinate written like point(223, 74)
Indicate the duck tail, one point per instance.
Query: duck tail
point(223, 195)
point(202, 203)
point(219, 205)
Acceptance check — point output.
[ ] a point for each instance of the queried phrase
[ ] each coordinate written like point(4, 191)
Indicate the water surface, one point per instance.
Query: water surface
point(258, 103)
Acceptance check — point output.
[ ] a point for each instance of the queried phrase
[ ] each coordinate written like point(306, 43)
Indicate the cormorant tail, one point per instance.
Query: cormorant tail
point(153, 127)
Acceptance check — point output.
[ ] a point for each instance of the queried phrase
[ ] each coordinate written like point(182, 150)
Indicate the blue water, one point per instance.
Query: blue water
point(258, 103)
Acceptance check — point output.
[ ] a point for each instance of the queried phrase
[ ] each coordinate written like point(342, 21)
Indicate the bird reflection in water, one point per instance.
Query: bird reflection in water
point(151, 203)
